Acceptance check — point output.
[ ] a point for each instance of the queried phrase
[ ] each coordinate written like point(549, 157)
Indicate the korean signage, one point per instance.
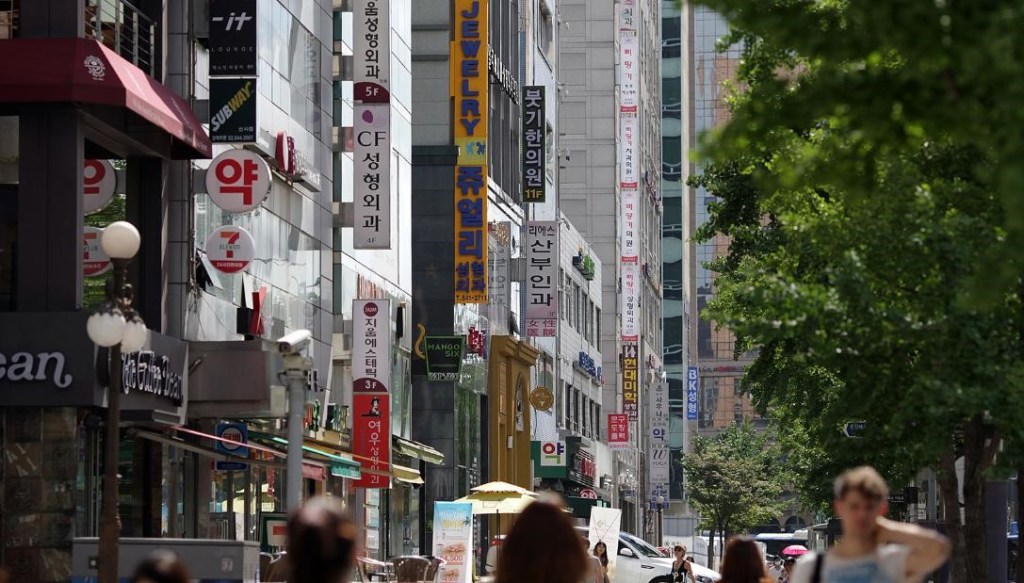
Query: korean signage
point(372, 124)
point(582, 468)
point(542, 278)
point(692, 387)
point(444, 357)
point(629, 162)
point(230, 249)
point(469, 88)
point(94, 260)
point(233, 38)
point(238, 435)
point(630, 298)
point(371, 346)
point(233, 111)
point(534, 144)
point(371, 438)
point(499, 258)
point(552, 453)
point(99, 183)
point(629, 225)
point(630, 380)
point(585, 363)
point(618, 431)
point(238, 180)
point(629, 71)
point(453, 540)
point(659, 464)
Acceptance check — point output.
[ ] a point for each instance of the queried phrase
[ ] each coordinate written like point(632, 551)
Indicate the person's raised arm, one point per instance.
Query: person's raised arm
point(928, 549)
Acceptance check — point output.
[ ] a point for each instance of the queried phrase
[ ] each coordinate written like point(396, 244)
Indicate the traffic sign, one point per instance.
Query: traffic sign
point(239, 434)
point(854, 428)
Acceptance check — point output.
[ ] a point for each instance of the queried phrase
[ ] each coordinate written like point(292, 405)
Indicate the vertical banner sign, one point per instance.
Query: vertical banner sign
point(534, 147)
point(659, 465)
point(604, 527)
point(499, 259)
point(232, 111)
point(628, 70)
point(692, 386)
point(629, 130)
point(372, 124)
point(469, 88)
point(371, 381)
point(630, 377)
point(542, 278)
point(453, 540)
point(233, 38)
point(629, 224)
point(630, 296)
point(618, 431)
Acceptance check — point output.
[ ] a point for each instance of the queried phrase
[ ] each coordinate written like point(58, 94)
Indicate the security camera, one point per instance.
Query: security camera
point(294, 342)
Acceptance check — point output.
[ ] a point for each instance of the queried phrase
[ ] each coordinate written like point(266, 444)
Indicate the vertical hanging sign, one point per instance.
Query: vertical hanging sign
point(534, 144)
point(659, 464)
point(629, 310)
point(542, 278)
point(618, 431)
point(233, 38)
point(630, 380)
point(371, 381)
point(469, 88)
point(692, 387)
point(371, 154)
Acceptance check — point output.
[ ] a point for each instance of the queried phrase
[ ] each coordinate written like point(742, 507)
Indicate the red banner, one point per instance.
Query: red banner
point(371, 438)
point(618, 431)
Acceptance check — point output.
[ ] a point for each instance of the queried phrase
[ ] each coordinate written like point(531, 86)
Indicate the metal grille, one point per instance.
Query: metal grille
point(8, 19)
point(123, 28)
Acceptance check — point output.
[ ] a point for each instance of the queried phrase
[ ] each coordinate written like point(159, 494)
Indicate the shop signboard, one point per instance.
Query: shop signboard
point(581, 467)
point(94, 260)
point(273, 531)
point(630, 380)
point(692, 387)
point(659, 464)
point(233, 38)
point(99, 183)
point(237, 433)
point(371, 346)
point(469, 89)
point(534, 144)
point(542, 278)
point(453, 540)
point(238, 180)
point(618, 431)
point(499, 288)
point(230, 248)
point(552, 453)
point(444, 357)
point(371, 438)
point(232, 111)
point(372, 124)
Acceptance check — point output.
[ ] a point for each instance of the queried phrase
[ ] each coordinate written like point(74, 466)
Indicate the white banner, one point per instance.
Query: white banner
point(629, 161)
point(453, 540)
point(604, 528)
point(499, 259)
point(629, 71)
point(630, 273)
point(659, 474)
point(629, 225)
point(542, 278)
point(371, 157)
point(371, 346)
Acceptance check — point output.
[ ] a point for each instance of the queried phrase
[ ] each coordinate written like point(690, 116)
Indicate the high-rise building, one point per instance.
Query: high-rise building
point(609, 179)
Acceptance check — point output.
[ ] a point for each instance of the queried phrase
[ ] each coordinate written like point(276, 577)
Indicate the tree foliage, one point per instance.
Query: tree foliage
point(735, 482)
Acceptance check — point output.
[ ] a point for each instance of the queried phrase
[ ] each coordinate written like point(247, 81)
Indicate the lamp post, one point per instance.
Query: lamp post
point(659, 530)
point(115, 326)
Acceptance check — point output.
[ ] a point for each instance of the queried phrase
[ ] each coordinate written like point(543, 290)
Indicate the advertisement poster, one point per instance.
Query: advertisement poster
point(371, 439)
point(618, 431)
point(453, 540)
point(604, 527)
point(542, 278)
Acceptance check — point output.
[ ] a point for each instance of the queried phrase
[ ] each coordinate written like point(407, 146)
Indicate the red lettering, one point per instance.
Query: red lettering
point(92, 181)
point(229, 172)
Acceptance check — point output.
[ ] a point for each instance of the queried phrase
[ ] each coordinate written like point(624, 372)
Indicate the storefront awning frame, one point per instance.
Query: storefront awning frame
point(342, 465)
point(417, 450)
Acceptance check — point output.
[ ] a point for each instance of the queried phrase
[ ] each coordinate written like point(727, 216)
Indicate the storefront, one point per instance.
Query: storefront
point(569, 468)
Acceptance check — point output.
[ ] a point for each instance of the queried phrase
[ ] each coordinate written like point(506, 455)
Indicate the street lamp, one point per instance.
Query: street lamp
point(116, 326)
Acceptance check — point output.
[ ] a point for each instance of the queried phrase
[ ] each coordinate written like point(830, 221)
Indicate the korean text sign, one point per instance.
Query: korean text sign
point(618, 431)
point(630, 380)
point(469, 88)
point(659, 465)
point(542, 278)
point(371, 438)
point(371, 346)
point(534, 144)
point(692, 387)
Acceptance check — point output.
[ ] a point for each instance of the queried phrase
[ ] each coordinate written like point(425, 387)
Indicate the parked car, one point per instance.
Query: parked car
point(637, 561)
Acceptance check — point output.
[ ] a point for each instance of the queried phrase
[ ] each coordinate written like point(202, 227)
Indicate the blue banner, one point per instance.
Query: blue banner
point(692, 385)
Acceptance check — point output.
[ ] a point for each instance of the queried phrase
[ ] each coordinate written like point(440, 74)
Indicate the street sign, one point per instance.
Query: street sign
point(237, 433)
point(854, 428)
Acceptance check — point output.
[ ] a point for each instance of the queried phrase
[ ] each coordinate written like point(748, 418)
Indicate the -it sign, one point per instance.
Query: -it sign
point(99, 182)
point(238, 181)
point(230, 249)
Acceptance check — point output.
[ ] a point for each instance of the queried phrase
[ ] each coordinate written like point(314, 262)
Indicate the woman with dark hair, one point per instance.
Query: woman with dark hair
point(601, 552)
point(681, 567)
point(542, 547)
point(321, 543)
point(161, 567)
point(743, 562)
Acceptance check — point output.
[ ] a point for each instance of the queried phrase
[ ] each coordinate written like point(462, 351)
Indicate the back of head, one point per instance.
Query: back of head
point(743, 562)
point(160, 567)
point(321, 543)
point(864, 480)
point(542, 547)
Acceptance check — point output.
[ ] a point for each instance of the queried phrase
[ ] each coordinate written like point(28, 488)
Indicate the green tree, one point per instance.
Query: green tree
point(734, 480)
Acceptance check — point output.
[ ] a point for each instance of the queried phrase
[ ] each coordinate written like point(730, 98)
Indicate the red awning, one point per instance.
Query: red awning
point(84, 71)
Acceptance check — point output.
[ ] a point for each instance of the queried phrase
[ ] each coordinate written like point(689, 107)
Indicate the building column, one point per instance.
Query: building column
point(147, 209)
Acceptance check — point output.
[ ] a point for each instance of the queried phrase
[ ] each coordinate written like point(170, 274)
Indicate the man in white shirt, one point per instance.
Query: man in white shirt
point(873, 549)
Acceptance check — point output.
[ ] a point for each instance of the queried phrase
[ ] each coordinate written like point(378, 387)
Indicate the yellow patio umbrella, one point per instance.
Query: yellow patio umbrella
point(499, 498)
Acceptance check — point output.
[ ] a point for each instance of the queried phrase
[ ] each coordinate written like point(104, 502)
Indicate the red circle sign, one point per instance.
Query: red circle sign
point(588, 494)
point(370, 309)
point(94, 260)
point(99, 181)
point(238, 181)
point(230, 249)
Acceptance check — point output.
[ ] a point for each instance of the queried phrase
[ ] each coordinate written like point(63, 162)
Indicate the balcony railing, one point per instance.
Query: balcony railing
point(123, 28)
point(8, 19)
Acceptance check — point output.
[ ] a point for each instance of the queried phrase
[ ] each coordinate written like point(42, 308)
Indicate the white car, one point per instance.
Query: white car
point(639, 562)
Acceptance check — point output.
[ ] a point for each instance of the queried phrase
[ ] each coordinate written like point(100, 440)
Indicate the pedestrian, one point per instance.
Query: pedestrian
point(601, 552)
point(321, 543)
point(160, 566)
point(681, 567)
point(743, 562)
point(542, 547)
point(596, 572)
point(873, 548)
point(787, 570)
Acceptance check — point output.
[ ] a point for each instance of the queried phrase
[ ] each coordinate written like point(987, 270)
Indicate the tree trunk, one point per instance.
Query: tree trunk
point(949, 488)
point(979, 452)
point(711, 547)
